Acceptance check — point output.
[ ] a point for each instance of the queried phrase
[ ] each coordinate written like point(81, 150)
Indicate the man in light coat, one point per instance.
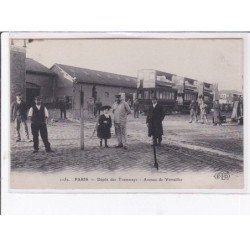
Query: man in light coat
point(121, 110)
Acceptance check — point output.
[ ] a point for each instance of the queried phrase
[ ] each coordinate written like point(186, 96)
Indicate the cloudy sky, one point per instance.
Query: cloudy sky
point(210, 60)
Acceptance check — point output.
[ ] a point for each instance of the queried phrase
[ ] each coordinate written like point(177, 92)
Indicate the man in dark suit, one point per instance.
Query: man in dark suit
point(62, 107)
point(154, 122)
point(39, 115)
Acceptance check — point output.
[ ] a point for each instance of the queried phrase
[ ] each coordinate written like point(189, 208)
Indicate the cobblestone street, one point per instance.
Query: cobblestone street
point(187, 148)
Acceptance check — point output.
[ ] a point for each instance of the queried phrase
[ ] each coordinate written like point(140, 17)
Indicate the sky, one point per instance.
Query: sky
point(210, 60)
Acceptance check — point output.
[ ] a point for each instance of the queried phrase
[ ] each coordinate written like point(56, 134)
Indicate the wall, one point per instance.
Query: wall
point(63, 86)
point(102, 91)
point(17, 71)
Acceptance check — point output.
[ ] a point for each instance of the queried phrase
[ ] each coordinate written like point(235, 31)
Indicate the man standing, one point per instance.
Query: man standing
point(216, 113)
point(90, 107)
point(203, 110)
point(62, 107)
point(136, 108)
point(154, 122)
point(193, 111)
point(19, 116)
point(98, 105)
point(39, 115)
point(121, 109)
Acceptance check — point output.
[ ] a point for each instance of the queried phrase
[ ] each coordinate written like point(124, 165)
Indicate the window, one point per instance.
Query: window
point(161, 95)
point(146, 94)
point(187, 97)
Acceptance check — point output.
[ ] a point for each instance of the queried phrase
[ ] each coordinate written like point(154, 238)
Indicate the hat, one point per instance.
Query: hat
point(105, 107)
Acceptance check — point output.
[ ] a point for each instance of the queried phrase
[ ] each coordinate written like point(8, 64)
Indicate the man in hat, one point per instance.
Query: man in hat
point(136, 108)
point(63, 107)
point(203, 110)
point(154, 122)
point(90, 107)
point(19, 116)
point(193, 111)
point(121, 109)
point(98, 105)
point(216, 113)
point(39, 115)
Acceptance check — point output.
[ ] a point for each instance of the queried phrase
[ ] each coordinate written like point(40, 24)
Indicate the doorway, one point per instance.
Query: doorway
point(31, 93)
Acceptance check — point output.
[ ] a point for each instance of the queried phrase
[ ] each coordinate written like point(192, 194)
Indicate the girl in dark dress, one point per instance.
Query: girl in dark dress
point(104, 126)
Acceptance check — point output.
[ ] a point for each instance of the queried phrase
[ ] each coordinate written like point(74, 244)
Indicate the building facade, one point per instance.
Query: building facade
point(39, 81)
point(17, 72)
point(76, 83)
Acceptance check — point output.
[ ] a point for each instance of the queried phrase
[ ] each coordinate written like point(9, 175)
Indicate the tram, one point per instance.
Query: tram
point(186, 89)
point(173, 92)
point(153, 83)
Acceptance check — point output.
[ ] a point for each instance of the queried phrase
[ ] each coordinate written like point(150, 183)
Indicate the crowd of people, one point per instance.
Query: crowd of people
point(200, 107)
point(38, 115)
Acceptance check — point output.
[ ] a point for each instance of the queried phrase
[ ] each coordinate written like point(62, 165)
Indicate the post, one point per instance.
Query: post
point(81, 120)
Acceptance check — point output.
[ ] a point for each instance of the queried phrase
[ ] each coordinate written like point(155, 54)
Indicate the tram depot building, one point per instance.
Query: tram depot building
point(30, 78)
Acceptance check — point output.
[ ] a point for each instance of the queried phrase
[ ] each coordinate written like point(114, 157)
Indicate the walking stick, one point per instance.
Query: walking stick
point(156, 165)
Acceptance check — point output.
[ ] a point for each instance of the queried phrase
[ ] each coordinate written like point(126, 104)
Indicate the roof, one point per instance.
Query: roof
point(98, 77)
point(33, 66)
point(228, 91)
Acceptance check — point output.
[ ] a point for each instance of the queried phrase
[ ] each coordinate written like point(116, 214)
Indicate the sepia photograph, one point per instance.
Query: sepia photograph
point(156, 114)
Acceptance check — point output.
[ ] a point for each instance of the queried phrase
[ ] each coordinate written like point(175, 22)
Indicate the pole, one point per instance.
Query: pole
point(81, 120)
point(155, 159)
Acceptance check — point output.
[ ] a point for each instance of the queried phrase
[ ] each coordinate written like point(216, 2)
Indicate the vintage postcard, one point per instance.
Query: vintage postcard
point(113, 113)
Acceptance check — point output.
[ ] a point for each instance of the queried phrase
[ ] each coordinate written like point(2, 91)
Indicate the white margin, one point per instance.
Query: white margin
point(10, 200)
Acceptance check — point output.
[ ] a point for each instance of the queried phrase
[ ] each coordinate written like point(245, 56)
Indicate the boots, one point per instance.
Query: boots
point(100, 143)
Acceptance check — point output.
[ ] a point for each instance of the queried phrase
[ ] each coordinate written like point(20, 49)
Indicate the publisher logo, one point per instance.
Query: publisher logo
point(222, 175)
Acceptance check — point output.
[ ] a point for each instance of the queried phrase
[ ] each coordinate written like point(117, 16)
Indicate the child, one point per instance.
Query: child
point(104, 126)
